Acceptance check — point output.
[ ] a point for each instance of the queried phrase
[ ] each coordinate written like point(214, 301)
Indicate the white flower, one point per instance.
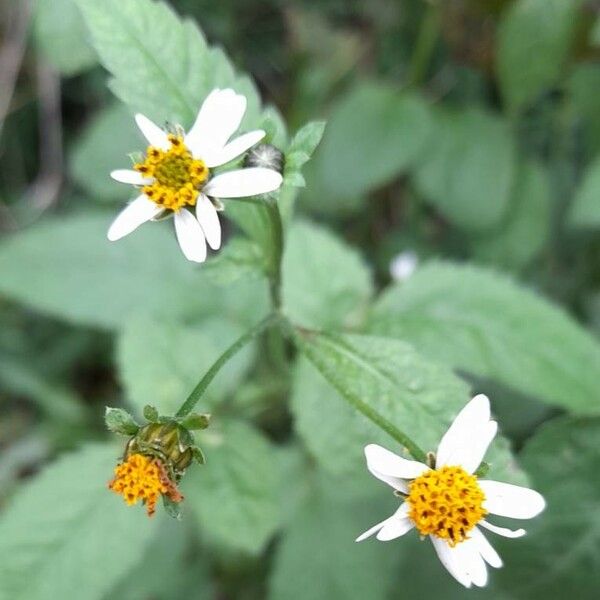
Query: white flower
point(448, 503)
point(403, 265)
point(175, 175)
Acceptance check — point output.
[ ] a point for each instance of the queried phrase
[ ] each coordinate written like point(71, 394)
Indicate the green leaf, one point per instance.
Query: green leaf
point(61, 36)
point(160, 361)
point(161, 65)
point(65, 531)
point(389, 379)
point(468, 171)
point(474, 319)
point(301, 148)
point(168, 570)
point(373, 134)
point(103, 146)
point(325, 282)
point(235, 494)
point(334, 432)
point(120, 421)
point(318, 559)
point(560, 556)
point(534, 40)
point(81, 277)
point(526, 230)
point(583, 88)
point(585, 211)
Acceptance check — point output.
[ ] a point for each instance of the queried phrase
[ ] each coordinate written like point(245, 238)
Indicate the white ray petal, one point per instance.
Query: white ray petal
point(397, 522)
point(503, 531)
point(130, 176)
point(464, 437)
point(448, 558)
point(242, 183)
point(486, 550)
point(383, 462)
point(395, 528)
point(152, 132)
point(469, 554)
point(208, 218)
point(219, 117)
point(190, 236)
point(509, 500)
point(233, 149)
point(131, 217)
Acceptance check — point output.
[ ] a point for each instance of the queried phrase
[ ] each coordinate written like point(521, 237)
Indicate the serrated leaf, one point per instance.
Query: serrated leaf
point(585, 211)
point(161, 361)
point(325, 282)
point(334, 433)
point(61, 36)
point(389, 379)
point(317, 558)
point(374, 133)
point(468, 171)
point(120, 421)
point(104, 145)
point(534, 40)
point(81, 277)
point(235, 494)
point(560, 555)
point(524, 233)
point(161, 65)
point(474, 319)
point(65, 531)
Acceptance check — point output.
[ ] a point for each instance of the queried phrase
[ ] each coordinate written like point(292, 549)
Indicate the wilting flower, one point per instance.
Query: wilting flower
point(447, 502)
point(176, 176)
point(156, 457)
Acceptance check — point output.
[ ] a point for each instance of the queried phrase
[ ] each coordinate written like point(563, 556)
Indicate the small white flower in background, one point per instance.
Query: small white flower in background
point(449, 503)
point(403, 265)
point(176, 176)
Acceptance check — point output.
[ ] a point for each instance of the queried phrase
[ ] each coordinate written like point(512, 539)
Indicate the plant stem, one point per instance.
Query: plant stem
point(276, 252)
point(200, 388)
point(424, 46)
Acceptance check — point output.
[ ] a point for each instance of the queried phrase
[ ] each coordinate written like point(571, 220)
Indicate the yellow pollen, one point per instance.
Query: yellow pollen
point(143, 478)
point(177, 175)
point(446, 503)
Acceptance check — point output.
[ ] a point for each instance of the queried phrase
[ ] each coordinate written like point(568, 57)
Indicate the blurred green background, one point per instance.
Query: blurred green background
point(460, 130)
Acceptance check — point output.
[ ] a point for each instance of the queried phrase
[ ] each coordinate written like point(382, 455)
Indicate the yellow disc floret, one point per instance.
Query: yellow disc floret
point(176, 173)
point(447, 503)
point(143, 478)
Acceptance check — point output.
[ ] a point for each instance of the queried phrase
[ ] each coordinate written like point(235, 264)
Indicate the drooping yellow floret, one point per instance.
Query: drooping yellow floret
point(143, 478)
point(447, 503)
point(177, 175)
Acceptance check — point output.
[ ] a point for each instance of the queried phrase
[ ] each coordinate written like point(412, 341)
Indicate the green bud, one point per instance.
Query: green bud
point(120, 421)
point(150, 413)
point(196, 421)
point(167, 441)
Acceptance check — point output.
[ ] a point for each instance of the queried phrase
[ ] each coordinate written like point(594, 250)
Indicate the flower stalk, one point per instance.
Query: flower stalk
point(203, 384)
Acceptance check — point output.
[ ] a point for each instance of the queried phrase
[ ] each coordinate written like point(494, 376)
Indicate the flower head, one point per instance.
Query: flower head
point(447, 502)
point(155, 459)
point(144, 478)
point(175, 177)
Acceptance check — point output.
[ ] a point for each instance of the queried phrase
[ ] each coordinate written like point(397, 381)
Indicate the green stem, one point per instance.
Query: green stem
point(424, 46)
point(200, 388)
point(276, 253)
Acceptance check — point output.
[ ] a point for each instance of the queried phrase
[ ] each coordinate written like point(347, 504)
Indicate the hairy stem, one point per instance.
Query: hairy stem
point(274, 268)
point(203, 384)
